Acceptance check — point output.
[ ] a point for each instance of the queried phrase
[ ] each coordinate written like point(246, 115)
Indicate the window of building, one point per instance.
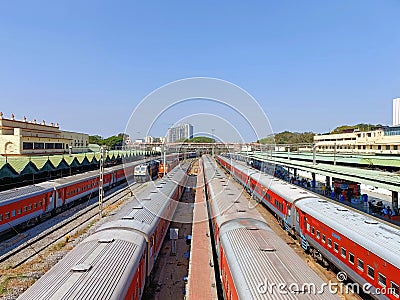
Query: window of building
point(371, 272)
point(336, 247)
point(323, 238)
point(38, 146)
point(58, 145)
point(369, 134)
point(395, 147)
point(351, 258)
point(364, 147)
point(394, 288)
point(329, 243)
point(49, 145)
point(381, 279)
point(360, 264)
point(387, 147)
point(343, 252)
point(27, 146)
point(379, 147)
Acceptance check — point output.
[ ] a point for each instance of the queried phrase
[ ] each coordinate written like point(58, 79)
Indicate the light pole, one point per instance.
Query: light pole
point(101, 179)
point(213, 140)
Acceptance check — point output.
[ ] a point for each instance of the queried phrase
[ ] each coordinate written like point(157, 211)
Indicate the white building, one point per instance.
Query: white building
point(396, 111)
point(180, 132)
point(149, 139)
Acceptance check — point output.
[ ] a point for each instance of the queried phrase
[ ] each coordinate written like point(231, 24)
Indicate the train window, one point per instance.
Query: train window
point(351, 258)
point(371, 272)
point(34, 205)
point(39, 204)
point(308, 226)
point(13, 213)
point(381, 279)
point(30, 207)
point(312, 230)
point(19, 211)
point(323, 238)
point(1, 217)
point(394, 288)
point(343, 252)
point(7, 216)
point(336, 247)
point(25, 208)
point(360, 264)
point(318, 234)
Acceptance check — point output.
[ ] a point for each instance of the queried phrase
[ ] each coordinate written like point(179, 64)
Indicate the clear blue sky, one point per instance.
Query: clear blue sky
point(312, 65)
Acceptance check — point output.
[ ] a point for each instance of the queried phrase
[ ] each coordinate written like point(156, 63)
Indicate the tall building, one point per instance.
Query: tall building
point(396, 111)
point(180, 132)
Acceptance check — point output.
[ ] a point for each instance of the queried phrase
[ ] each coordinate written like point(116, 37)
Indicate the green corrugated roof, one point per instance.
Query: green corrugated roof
point(7, 171)
point(27, 164)
point(29, 169)
point(62, 165)
point(47, 167)
point(375, 178)
point(74, 163)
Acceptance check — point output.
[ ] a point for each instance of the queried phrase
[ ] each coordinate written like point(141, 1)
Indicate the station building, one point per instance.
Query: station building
point(23, 137)
point(382, 140)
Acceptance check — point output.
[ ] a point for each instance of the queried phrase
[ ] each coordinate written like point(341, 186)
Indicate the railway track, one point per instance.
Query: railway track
point(21, 254)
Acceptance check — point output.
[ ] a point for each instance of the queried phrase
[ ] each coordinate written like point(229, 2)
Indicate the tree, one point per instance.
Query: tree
point(112, 142)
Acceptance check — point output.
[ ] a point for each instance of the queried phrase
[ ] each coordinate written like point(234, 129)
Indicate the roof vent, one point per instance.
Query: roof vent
point(371, 222)
point(241, 210)
point(137, 206)
point(303, 192)
point(81, 268)
point(252, 228)
point(322, 201)
point(146, 199)
point(293, 188)
point(106, 240)
point(342, 209)
point(128, 217)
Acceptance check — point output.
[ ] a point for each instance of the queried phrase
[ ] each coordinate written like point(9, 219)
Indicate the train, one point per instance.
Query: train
point(254, 262)
point(116, 261)
point(147, 171)
point(365, 248)
point(172, 160)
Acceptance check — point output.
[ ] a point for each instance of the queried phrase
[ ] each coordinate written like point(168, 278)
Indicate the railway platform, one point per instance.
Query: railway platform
point(201, 279)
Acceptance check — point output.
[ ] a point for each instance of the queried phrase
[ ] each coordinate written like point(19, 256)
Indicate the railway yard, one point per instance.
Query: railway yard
point(224, 248)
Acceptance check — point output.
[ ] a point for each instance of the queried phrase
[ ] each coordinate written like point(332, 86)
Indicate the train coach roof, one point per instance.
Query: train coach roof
point(152, 202)
point(92, 270)
point(25, 192)
point(227, 199)
point(375, 236)
point(283, 189)
point(258, 257)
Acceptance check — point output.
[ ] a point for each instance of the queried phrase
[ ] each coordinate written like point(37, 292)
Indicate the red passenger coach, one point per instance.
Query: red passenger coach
point(19, 206)
point(366, 248)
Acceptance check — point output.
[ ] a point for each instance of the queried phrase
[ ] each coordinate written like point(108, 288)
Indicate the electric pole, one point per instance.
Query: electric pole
point(101, 190)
